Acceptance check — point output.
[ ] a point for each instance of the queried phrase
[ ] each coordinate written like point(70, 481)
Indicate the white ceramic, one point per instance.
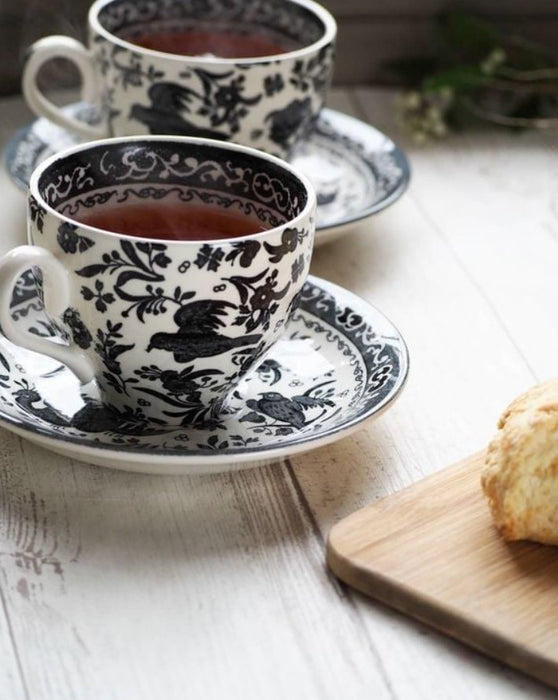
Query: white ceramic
point(268, 102)
point(165, 327)
point(340, 364)
point(357, 171)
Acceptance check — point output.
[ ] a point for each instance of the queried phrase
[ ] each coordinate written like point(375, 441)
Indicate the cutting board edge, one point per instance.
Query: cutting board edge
point(485, 640)
point(354, 569)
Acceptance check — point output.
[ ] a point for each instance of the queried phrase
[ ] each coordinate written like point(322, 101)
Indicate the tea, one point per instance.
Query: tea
point(193, 42)
point(174, 221)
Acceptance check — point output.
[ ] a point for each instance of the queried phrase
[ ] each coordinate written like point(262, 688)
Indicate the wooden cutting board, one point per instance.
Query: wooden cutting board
point(432, 552)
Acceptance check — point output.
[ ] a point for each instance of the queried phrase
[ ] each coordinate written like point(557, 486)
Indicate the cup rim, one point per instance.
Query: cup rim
point(318, 10)
point(309, 208)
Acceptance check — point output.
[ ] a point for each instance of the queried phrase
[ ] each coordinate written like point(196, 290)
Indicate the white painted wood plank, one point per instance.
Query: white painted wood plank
point(427, 264)
point(123, 586)
point(12, 678)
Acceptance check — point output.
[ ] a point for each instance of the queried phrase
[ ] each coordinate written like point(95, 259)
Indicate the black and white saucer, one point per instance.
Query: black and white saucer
point(357, 171)
point(340, 364)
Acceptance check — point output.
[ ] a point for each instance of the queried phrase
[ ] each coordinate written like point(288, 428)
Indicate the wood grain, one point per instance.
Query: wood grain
point(217, 587)
point(432, 552)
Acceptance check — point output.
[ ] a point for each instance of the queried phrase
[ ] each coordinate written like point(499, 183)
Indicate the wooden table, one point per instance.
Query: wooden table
point(115, 585)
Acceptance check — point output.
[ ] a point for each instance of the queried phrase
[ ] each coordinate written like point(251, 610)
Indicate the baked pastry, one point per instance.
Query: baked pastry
point(520, 477)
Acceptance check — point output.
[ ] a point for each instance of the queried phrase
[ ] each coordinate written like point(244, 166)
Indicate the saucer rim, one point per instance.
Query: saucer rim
point(398, 154)
point(335, 119)
point(241, 457)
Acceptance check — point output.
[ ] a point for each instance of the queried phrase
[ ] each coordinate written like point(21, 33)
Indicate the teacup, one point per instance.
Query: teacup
point(267, 101)
point(166, 327)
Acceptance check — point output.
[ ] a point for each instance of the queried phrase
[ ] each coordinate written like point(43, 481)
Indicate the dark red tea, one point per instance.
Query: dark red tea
point(172, 221)
point(221, 44)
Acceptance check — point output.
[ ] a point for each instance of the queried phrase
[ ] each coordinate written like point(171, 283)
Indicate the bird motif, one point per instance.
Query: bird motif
point(279, 407)
point(25, 398)
point(165, 114)
point(92, 417)
point(290, 411)
point(197, 335)
point(289, 122)
point(289, 241)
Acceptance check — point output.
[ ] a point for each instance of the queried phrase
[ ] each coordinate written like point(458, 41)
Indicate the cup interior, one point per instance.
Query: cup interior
point(116, 172)
point(286, 24)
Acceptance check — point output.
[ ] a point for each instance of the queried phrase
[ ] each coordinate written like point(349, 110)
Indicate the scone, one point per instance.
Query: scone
point(520, 478)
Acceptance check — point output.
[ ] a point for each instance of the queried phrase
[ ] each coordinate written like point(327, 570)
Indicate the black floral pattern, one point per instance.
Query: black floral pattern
point(314, 72)
point(244, 252)
point(258, 302)
point(275, 406)
point(172, 328)
point(222, 97)
point(70, 241)
point(290, 240)
point(297, 268)
point(109, 350)
point(36, 213)
point(79, 333)
point(219, 100)
point(210, 257)
point(102, 298)
point(143, 262)
point(182, 393)
point(288, 124)
point(273, 84)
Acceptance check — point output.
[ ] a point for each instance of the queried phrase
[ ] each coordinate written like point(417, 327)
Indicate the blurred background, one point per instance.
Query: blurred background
point(371, 32)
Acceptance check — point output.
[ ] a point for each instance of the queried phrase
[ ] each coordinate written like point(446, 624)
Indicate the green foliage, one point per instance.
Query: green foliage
point(477, 69)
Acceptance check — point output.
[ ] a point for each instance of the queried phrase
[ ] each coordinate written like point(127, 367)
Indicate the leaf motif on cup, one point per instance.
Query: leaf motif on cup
point(273, 84)
point(181, 391)
point(80, 335)
point(70, 241)
point(244, 251)
point(315, 72)
point(210, 257)
point(36, 213)
point(102, 298)
point(221, 96)
point(297, 268)
point(109, 350)
point(132, 74)
point(258, 302)
point(135, 262)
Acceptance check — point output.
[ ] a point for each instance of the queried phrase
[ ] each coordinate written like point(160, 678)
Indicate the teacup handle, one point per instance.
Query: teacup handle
point(41, 52)
point(56, 288)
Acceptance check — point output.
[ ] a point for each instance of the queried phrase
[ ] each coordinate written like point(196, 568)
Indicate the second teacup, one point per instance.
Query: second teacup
point(169, 266)
point(254, 72)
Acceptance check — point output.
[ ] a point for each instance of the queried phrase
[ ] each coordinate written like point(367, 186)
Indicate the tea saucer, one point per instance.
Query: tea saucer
point(357, 171)
point(340, 364)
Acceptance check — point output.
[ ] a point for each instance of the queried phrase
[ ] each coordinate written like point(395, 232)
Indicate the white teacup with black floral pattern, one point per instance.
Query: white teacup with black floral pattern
point(166, 328)
point(269, 102)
